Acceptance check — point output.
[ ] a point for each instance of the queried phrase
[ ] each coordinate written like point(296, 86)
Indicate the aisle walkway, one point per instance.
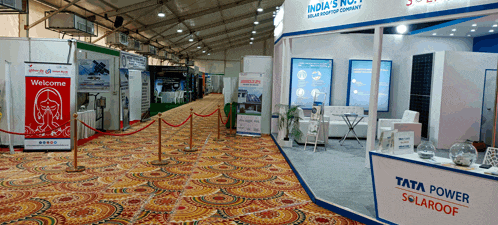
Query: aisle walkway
point(239, 181)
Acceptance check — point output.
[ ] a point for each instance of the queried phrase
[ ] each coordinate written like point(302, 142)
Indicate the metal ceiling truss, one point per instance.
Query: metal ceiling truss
point(234, 45)
point(194, 15)
point(130, 8)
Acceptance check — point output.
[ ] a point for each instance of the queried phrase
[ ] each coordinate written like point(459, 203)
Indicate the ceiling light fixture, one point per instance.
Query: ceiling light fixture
point(434, 33)
point(452, 34)
point(468, 35)
point(190, 39)
point(161, 14)
point(250, 43)
point(199, 46)
point(256, 22)
point(179, 30)
point(473, 30)
point(495, 25)
point(401, 29)
point(253, 31)
point(252, 39)
point(209, 53)
point(453, 30)
point(474, 25)
point(203, 51)
point(491, 31)
point(259, 7)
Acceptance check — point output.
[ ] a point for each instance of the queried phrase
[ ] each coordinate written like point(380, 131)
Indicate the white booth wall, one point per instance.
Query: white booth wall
point(457, 96)
point(343, 47)
point(20, 50)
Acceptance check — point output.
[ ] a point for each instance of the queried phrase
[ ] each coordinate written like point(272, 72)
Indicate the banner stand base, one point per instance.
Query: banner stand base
point(159, 163)
point(187, 149)
point(47, 150)
point(77, 169)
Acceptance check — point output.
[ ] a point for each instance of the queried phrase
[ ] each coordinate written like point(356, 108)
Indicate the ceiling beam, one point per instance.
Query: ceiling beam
point(130, 8)
point(195, 15)
point(246, 26)
point(221, 23)
point(241, 37)
point(234, 45)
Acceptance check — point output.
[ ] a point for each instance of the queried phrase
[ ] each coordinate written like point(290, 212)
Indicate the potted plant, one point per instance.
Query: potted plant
point(288, 119)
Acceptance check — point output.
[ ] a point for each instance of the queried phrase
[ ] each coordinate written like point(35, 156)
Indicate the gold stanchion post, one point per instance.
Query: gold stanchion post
point(76, 168)
point(190, 148)
point(219, 118)
point(159, 162)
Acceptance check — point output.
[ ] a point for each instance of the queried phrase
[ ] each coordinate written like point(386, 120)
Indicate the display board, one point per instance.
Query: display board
point(132, 62)
point(309, 76)
point(408, 190)
point(145, 95)
point(360, 79)
point(125, 96)
point(249, 105)
point(93, 75)
point(48, 91)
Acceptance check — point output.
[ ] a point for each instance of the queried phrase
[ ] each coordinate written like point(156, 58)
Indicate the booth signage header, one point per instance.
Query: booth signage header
point(315, 16)
point(134, 62)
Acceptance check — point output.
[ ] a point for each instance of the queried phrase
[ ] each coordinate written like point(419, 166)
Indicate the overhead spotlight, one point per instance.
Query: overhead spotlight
point(260, 9)
point(191, 39)
point(277, 8)
point(434, 34)
point(495, 25)
point(198, 46)
point(252, 39)
point(401, 29)
point(452, 34)
point(474, 25)
point(179, 30)
point(209, 53)
point(256, 22)
point(491, 31)
point(473, 30)
point(161, 14)
point(203, 51)
point(253, 31)
point(468, 35)
point(453, 30)
point(250, 43)
point(274, 15)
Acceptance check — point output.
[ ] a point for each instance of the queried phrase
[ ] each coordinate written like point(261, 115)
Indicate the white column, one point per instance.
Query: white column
point(9, 101)
point(374, 93)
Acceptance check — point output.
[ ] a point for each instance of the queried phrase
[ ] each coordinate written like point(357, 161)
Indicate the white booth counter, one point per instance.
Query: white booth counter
point(410, 190)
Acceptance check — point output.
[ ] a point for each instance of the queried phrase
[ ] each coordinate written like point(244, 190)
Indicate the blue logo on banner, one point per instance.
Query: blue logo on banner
point(55, 142)
point(43, 142)
point(40, 142)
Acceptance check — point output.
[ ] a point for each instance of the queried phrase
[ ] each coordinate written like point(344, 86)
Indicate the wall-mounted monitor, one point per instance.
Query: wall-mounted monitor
point(360, 77)
point(309, 76)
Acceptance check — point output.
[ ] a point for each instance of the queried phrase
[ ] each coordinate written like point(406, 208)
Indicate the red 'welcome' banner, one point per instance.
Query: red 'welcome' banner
point(48, 91)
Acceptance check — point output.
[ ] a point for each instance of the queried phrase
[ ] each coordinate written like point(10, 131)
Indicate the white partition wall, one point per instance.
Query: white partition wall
point(13, 53)
point(457, 95)
point(135, 83)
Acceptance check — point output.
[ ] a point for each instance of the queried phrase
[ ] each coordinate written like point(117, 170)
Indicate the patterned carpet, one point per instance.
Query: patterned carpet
point(242, 180)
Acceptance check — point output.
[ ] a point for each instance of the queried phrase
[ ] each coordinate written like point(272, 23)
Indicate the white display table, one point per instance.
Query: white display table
point(88, 117)
point(410, 190)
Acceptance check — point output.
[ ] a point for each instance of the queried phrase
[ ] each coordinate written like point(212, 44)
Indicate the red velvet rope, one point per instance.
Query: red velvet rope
point(228, 117)
point(206, 115)
point(26, 134)
point(178, 124)
point(111, 134)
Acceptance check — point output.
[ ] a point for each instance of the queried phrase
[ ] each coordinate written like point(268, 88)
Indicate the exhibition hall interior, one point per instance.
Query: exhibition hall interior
point(248, 112)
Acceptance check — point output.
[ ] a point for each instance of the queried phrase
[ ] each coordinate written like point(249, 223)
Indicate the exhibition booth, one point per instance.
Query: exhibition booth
point(46, 81)
point(427, 83)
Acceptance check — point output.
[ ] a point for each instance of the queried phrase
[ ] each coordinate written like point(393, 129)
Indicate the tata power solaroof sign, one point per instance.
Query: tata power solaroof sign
point(413, 192)
point(327, 8)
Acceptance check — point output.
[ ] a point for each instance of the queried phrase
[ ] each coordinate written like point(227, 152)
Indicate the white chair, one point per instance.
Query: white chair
point(409, 122)
point(182, 96)
point(491, 157)
point(177, 96)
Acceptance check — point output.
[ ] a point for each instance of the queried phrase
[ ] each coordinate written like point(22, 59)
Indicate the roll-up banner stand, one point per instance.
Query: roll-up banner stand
point(48, 91)
point(249, 105)
point(125, 96)
point(145, 96)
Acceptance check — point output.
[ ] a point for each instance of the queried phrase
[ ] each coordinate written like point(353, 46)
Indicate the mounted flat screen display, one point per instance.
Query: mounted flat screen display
point(360, 77)
point(309, 76)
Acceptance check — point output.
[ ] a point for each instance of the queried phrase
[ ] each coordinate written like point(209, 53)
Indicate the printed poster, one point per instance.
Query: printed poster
point(145, 95)
point(308, 77)
point(48, 91)
point(124, 76)
point(93, 75)
point(250, 95)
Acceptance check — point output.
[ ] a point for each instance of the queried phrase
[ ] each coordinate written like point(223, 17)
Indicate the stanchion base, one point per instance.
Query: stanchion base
point(159, 163)
point(74, 170)
point(187, 149)
point(216, 139)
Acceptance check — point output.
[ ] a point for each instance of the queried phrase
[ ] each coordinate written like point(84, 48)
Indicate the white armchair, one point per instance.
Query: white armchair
point(409, 122)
